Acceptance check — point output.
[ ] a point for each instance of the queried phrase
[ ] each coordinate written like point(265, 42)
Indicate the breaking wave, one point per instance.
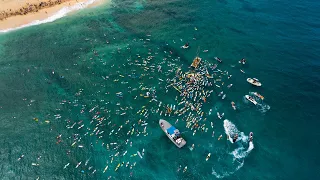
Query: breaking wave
point(61, 13)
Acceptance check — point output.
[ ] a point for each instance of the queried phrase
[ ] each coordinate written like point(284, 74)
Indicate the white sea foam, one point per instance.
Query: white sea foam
point(263, 107)
point(244, 147)
point(226, 174)
point(230, 129)
point(61, 13)
point(241, 152)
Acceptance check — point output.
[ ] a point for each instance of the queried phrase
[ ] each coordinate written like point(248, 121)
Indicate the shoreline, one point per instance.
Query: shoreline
point(44, 15)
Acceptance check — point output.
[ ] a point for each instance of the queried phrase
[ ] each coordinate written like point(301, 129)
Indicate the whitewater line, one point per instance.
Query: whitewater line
point(60, 14)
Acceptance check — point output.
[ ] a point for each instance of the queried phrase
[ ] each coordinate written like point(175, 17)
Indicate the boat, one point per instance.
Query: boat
point(196, 62)
point(249, 98)
point(251, 136)
point(218, 59)
point(254, 81)
point(258, 95)
point(172, 133)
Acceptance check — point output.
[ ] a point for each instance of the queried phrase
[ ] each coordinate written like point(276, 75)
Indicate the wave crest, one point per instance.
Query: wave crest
point(61, 13)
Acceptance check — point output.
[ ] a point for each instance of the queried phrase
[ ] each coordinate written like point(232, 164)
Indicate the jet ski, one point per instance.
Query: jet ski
point(258, 95)
point(218, 59)
point(249, 98)
point(254, 81)
point(251, 136)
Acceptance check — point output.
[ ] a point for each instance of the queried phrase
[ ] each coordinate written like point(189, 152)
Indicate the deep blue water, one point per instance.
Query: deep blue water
point(279, 39)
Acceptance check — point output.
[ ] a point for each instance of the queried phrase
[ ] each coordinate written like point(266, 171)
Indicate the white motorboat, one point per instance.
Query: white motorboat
point(249, 98)
point(254, 81)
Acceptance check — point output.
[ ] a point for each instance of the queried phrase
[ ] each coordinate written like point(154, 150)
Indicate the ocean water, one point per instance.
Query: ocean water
point(58, 76)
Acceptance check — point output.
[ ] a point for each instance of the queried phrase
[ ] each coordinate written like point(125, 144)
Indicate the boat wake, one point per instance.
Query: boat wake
point(230, 129)
point(61, 13)
point(226, 174)
point(237, 156)
point(261, 105)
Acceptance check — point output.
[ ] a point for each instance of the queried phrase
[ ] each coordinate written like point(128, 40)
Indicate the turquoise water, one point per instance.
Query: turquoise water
point(69, 72)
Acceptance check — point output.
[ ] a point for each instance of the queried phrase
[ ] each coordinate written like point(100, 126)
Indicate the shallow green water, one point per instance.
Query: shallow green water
point(66, 72)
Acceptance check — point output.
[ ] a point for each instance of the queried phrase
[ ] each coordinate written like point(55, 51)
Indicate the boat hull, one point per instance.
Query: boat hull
point(251, 99)
point(164, 126)
point(256, 83)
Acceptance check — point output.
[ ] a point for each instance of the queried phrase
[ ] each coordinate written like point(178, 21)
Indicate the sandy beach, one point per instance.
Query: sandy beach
point(17, 13)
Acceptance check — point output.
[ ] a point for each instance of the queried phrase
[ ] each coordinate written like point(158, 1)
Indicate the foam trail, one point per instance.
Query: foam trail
point(226, 174)
point(251, 146)
point(263, 108)
point(230, 129)
point(61, 13)
point(240, 152)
